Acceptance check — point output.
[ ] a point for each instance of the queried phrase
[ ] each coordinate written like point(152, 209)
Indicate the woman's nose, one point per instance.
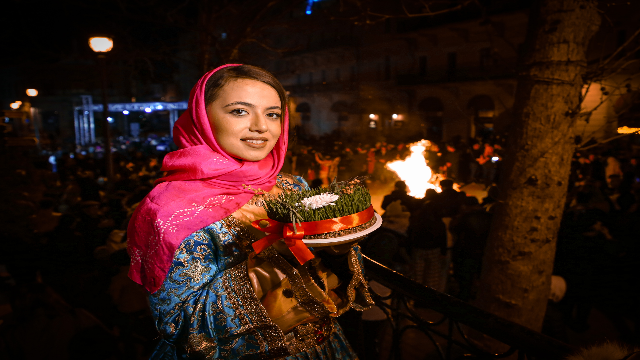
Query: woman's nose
point(258, 123)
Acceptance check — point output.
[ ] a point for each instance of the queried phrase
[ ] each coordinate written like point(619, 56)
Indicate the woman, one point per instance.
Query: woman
point(190, 238)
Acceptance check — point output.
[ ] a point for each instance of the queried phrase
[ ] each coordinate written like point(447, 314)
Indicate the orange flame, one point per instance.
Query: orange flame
point(414, 171)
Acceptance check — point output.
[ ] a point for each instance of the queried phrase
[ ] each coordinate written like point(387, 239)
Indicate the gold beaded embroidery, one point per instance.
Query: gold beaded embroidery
point(251, 313)
point(357, 282)
point(202, 345)
point(235, 291)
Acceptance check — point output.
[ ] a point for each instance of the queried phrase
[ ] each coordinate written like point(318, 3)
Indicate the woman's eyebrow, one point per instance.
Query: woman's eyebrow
point(250, 105)
point(239, 103)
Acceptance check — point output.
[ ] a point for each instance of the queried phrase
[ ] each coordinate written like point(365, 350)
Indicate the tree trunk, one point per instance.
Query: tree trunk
point(518, 262)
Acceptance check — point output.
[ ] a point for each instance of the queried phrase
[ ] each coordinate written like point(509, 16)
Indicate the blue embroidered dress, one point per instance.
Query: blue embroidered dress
point(222, 301)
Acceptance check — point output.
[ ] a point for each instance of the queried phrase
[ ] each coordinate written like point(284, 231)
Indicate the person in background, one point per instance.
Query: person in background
point(451, 159)
point(400, 193)
point(488, 167)
point(325, 165)
point(428, 244)
point(471, 231)
point(476, 153)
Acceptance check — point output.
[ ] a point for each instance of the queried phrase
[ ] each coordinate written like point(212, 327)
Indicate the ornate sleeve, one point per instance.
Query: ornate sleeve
point(206, 306)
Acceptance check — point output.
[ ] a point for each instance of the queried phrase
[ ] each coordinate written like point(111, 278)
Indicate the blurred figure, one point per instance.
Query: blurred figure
point(491, 198)
point(325, 165)
point(471, 231)
point(346, 165)
point(612, 167)
point(488, 166)
point(428, 244)
point(434, 158)
point(45, 219)
point(451, 161)
point(371, 161)
point(476, 152)
point(333, 169)
point(400, 193)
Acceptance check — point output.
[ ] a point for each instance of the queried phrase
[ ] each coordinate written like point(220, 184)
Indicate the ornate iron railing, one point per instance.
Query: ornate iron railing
point(448, 334)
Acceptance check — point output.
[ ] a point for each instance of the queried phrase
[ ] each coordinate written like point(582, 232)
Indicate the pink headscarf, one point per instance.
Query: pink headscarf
point(204, 184)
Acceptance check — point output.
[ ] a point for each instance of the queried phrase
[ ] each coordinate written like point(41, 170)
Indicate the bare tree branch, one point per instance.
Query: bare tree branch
point(621, 47)
point(605, 141)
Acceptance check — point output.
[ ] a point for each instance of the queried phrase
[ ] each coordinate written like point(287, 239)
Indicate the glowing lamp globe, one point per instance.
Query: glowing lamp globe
point(101, 44)
point(32, 92)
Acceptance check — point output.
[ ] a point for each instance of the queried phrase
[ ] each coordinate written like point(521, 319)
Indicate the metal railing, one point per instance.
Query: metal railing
point(448, 334)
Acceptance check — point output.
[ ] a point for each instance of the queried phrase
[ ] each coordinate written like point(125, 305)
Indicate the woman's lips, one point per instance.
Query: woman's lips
point(256, 143)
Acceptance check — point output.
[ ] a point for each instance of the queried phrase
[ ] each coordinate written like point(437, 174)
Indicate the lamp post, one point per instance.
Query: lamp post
point(102, 45)
point(34, 114)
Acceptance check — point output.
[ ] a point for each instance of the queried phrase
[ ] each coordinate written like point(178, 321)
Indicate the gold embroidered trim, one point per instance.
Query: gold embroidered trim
point(243, 237)
point(253, 314)
point(246, 303)
point(300, 292)
point(307, 336)
point(357, 282)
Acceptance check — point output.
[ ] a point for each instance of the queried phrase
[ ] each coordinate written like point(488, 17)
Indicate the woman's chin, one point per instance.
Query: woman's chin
point(249, 157)
point(251, 154)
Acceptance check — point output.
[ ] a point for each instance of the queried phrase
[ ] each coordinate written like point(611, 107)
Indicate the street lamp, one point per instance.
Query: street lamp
point(102, 45)
point(32, 92)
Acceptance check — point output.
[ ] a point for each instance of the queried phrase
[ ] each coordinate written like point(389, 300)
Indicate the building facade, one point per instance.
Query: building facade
point(403, 79)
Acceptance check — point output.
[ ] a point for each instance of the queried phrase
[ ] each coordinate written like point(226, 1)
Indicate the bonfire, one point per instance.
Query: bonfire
point(415, 172)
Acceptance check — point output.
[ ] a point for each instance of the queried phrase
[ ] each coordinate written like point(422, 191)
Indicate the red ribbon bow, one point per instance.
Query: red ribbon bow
point(277, 231)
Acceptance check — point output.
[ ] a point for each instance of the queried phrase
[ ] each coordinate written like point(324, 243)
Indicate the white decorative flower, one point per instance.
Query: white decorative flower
point(318, 201)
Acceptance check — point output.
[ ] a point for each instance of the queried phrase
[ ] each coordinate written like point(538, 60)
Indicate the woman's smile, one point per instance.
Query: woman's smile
point(257, 143)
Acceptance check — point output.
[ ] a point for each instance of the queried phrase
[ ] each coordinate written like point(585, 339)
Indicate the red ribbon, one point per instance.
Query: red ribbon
point(293, 239)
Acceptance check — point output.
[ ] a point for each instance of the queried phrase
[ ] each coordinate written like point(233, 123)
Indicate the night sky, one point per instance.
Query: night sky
point(45, 42)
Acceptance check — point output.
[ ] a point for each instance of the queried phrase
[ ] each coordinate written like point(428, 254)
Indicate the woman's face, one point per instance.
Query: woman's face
point(246, 119)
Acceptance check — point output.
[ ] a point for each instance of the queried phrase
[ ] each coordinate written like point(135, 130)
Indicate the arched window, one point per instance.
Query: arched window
point(431, 111)
point(305, 111)
point(483, 110)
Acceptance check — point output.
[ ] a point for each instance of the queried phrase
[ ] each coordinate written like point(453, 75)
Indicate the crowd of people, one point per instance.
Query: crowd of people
point(439, 240)
point(474, 160)
point(63, 261)
point(64, 287)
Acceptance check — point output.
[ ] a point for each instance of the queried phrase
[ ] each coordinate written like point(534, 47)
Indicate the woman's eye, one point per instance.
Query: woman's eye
point(238, 112)
point(274, 115)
